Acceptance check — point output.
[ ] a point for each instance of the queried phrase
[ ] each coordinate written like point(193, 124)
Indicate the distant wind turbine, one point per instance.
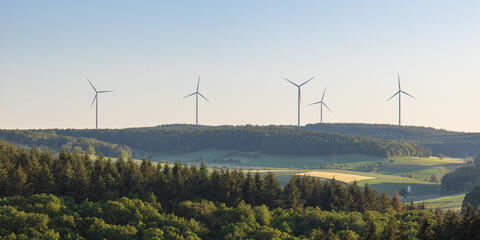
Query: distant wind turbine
point(95, 100)
point(197, 93)
point(299, 95)
point(322, 104)
point(399, 93)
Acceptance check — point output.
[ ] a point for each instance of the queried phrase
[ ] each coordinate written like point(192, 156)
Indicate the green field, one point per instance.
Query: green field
point(453, 202)
point(390, 173)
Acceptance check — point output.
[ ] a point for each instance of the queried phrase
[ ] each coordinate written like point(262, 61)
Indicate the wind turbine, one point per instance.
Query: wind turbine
point(197, 93)
point(399, 93)
point(322, 104)
point(95, 100)
point(299, 95)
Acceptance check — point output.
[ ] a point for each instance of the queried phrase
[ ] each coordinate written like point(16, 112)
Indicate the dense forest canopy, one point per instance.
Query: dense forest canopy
point(48, 139)
point(71, 196)
point(462, 179)
point(267, 139)
point(455, 144)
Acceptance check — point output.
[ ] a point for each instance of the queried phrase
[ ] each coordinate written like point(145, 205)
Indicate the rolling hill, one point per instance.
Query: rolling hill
point(279, 140)
point(455, 144)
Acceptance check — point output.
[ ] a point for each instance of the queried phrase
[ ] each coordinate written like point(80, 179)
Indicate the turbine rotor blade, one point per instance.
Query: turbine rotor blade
point(104, 91)
point(190, 95)
point(306, 81)
point(198, 83)
point(291, 82)
point(94, 98)
point(324, 93)
point(398, 76)
point(203, 97)
point(92, 85)
point(315, 103)
point(326, 107)
point(407, 94)
point(393, 95)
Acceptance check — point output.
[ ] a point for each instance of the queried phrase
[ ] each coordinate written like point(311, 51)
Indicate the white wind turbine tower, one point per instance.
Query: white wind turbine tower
point(197, 93)
point(95, 100)
point(322, 104)
point(399, 93)
point(299, 95)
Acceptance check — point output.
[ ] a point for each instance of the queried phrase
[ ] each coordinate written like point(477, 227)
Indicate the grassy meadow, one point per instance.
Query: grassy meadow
point(452, 202)
point(383, 174)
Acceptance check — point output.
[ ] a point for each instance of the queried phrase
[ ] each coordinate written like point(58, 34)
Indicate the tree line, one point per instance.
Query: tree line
point(46, 216)
point(24, 172)
point(462, 179)
point(440, 141)
point(49, 140)
point(267, 139)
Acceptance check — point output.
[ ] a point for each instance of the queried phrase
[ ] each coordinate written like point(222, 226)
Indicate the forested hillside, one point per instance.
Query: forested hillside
point(267, 139)
point(455, 144)
point(50, 140)
point(71, 196)
point(462, 179)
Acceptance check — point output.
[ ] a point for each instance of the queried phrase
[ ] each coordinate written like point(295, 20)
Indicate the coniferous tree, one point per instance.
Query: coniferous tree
point(260, 188)
point(79, 184)
point(44, 181)
point(426, 231)
point(358, 197)
point(370, 197)
point(3, 178)
point(18, 184)
point(249, 190)
point(271, 191)
point(467, 223)
point(147, 170)
point(292, 197)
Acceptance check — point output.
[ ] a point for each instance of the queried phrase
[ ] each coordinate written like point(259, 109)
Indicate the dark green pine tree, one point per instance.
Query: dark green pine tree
point(18, 182)
point(203, 181)
point(111, 177)
point(271, 191)
point(79, 185)
point(476, 223)
point(3, 178)
point(148, 172)
point(384, 202)
point(467, 223)
point(359, 201)
point(291, 195)
point(305, 186)
point(370, 197)
point(98, 183)
point(249, 190)
point(132, 178)
point(44, 180)
point(260, 187)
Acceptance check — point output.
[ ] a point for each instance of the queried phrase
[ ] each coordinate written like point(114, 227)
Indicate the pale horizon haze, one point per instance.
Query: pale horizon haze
point(152, 52)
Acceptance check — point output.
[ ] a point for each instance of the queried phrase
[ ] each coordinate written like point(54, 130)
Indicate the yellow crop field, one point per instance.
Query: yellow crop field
point(343, 177)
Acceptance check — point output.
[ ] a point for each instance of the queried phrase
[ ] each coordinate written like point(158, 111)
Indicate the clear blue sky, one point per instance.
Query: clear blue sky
point(151, 53)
